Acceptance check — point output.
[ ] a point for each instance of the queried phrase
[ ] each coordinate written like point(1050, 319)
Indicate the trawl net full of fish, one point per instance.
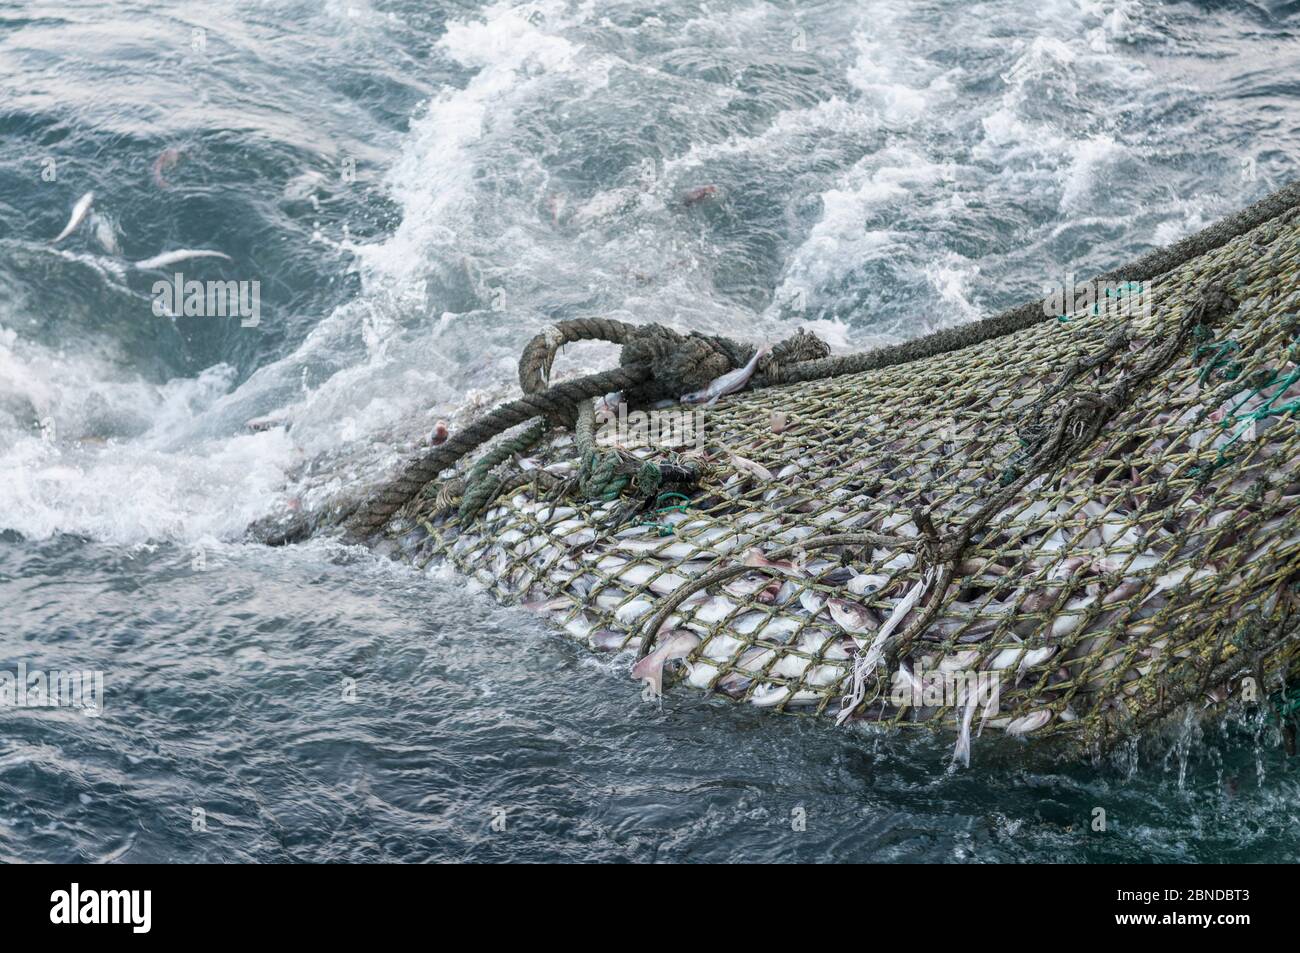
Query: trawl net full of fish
point(1072, 529)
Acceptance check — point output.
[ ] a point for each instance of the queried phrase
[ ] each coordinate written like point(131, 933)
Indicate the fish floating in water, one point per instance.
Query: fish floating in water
point(79, 212)
point(698, 194)
point(167, 159)
point(105, 232)
point(269, 422)
point(177, 256)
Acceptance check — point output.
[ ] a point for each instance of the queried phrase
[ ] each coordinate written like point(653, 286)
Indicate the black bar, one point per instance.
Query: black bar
point(333, 903)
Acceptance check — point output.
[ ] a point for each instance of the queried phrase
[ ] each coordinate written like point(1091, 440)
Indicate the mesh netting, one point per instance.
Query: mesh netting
point(1097, 526)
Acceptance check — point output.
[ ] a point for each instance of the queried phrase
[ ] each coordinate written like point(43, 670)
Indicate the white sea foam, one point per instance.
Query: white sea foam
point(87, 449)
point(1031, 142)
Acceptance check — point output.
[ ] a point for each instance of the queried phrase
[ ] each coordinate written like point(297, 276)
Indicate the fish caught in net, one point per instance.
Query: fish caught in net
point(1069, 528)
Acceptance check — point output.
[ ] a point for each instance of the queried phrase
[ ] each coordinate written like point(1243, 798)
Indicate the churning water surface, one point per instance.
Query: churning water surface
point(418, 188)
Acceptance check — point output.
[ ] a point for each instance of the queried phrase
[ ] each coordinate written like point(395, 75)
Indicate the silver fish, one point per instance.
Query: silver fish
point(172, 257)
point(663, 548)
point(961, 750)
point(850, 616)
point(608, 640)
point(1031, 722)
point(728, 383)
point(750, 468)
point(767, 595)
point(634, 610)
point(166, 159)
point(746, 585)
point(767, 695)
point(714, 610)
point(268, 422)
point(811, 601)
point(606, 407)
point(79, 212)
point(1032, 657)
point(863, 583)
point(753, 660)
point(864, 663)
point(105, 233)
point(548, 605)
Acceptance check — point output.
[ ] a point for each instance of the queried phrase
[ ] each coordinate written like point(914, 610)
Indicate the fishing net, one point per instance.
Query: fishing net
point(1070, 529)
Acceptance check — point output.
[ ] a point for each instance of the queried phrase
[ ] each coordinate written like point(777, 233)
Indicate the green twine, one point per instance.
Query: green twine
point(666, 529)
point(600, 478)
point(1243, 422)
point(599, 474)
point(1220, 352)
point(1264, 410)
point(648, 479)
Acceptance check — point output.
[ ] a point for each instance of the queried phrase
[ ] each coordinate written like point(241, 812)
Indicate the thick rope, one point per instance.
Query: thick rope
point(539, 353)
point(601, 475)
point(656, 362)
point(452, 492)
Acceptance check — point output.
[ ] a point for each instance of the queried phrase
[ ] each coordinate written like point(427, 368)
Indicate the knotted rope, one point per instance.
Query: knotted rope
point(656, 363)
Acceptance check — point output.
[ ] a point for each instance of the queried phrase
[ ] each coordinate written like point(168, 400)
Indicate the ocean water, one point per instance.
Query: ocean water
point(417, 188)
